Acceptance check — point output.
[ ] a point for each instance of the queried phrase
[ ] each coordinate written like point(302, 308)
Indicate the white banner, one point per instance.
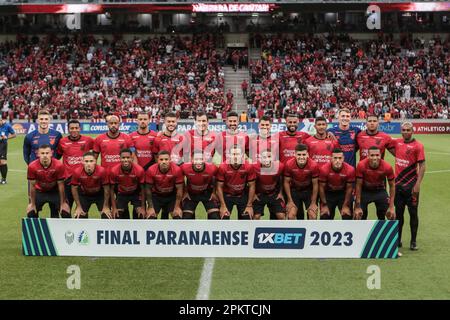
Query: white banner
point(213, 238)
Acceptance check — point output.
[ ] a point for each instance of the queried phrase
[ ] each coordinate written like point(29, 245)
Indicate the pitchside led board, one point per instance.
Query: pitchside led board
point(203, 238)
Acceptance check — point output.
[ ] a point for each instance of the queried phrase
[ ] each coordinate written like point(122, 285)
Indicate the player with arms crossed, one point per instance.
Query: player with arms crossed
point(164, 188)
point(46, 177)
point(372, 137)
point(200, 187)
point(236, 186)
point(269, 177)
point(128, 179)
point(336, 181)
point(72, 148)
point(371, 175)
point(301, 185)
point(143, 140)
point(409, 172)
point(6, 133)
point(90, 185)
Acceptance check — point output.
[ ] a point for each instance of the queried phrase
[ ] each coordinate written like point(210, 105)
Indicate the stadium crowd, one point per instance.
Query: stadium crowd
point(314, 76)
point(86, 78)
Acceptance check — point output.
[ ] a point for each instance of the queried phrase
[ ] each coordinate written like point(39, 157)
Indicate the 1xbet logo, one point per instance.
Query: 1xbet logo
point(279, 238)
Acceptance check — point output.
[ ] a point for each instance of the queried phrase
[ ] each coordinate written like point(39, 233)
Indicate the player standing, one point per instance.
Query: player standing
point(301, 184)
point(170, 140)
point(164, 188)
point(264, 141)
point(290, 138)
point(231, 137)
point(236, 185)
point(269, 177)
point(143, 140)
point(336, 180)
point(72, 148)
point(128, 179)
point(371, 175)
point(46, 177)
point(6, 133)
point(320, 146)
point(42, 136)
point(372, 137)
point(201, 138)
point(409, 173)
point(200, 187)
point(90, 185)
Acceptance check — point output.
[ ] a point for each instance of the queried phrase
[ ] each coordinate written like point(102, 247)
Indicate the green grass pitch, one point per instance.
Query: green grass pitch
point(424, 274)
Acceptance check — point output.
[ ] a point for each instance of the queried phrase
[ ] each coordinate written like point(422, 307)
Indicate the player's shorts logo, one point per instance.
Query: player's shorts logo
point(279, 238)
point(83, 238)
point(69, 237)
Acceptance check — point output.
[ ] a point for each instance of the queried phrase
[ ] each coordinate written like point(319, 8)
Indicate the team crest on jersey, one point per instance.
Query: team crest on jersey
point(299, 140)
point(377, 141)
point(52, 141)
point(408, 151)
point(121, 145)
point(82, 147)
point(352, 135)
point(242, 175)
point(328, 147)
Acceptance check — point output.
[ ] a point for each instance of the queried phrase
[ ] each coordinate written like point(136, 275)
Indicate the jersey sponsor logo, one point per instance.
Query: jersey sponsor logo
point(279, 238)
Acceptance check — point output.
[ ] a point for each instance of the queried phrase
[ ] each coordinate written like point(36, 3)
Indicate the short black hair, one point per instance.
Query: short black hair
point(44, 146)
point(337, 150)
point(371, 115)
point(89, 153)
point(200, 114)
point(73, 121)
point(265, 118)
point(126, 150)
point(374, 148)
point(320, 119)
point(170, 115)
point(163, 152)
point(291, 115)
point(232, 114)
point(301, 147)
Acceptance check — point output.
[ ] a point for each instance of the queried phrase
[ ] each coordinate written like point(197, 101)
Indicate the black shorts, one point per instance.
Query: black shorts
point(335, 199)
point(3, 150)
point(381, 200)
point(301, 198)
point(270, 200)
point(68, 191)
point(122, 201)
point(52, 198)
point(404, 197)
point(87, 201)
point(164, 203)
point(191, 204)
point(240, 202)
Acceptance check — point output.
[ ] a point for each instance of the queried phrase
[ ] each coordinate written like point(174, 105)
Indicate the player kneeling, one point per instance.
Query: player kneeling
point(90, 185)
point(336, 181)
point(268, 187)
point(164, 188)
point(127, 180)
point(46, 176)
point(200, 181)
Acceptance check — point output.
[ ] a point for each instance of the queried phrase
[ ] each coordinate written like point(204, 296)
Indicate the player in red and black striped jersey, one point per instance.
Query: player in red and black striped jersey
point(90, 185)
point(301, 185)
point(269, 177)
point(336, 181)
point(200, 187)
point(127, 186)
point(371, 175)
point(231, 137)
point(171, 141)
point(372, 137)
point(142, 141)
point(201, 138)
point(320, 146)
point(72, 148)
point(409, 172)
point(236, 186)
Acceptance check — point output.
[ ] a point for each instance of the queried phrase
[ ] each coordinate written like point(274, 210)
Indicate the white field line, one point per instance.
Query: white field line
point(205, 279)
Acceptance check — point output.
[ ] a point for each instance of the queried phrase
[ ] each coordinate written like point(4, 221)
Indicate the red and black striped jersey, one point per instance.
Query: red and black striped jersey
point(407, 156)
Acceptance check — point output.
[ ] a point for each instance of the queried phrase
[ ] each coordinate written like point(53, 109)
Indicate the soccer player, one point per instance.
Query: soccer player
point(42, 136)
point(90, 185)
point(128, 179)
point(269, 176)
point(372, 137)
point(201, 138)
point(409, 172)
point(320, 147)
point(46, 177)
point(336, 180)
point(110, 144)
point(143, 140)
point(290, 138)
point(301, 184)
point(236, 186)
point(164, 188)
point(371, 175)
point(72, 148)
point(232, 136)
point(346, 136)
point(6, 132)
point(170, 140)
point(264, 141)
point(200, 187)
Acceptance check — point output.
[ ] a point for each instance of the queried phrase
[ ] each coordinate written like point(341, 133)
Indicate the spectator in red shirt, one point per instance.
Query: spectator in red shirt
point(46, 176)
point(371, 175)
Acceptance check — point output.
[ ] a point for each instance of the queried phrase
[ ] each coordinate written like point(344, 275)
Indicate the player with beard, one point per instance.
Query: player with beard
point(201, 138)
point(170, 140)
point(372, 137)
point(264, 141)
point(200, 187)
point(231, 136)
point(72, 148)
point(143, 140)
point(90, 185)
point(290, 138)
